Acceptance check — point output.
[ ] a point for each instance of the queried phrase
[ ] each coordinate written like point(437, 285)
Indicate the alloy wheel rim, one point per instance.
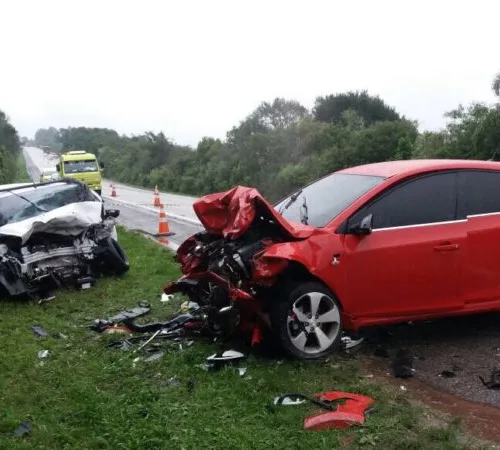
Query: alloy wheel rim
point(313, 323)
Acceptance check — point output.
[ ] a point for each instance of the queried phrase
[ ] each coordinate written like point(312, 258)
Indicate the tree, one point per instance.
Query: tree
point(88, 139)
point(48, 137)
point(369, 108)
point(277, 148)
point(430, 145)
point(496, 85)
point(280, 113)
point(9, 149)
point(473, 132)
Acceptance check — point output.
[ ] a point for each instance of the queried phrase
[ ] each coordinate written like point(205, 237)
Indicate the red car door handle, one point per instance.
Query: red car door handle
point(446, 247)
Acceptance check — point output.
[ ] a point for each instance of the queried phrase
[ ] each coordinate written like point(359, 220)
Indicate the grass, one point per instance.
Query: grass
point(21, 172)
point(91, 397)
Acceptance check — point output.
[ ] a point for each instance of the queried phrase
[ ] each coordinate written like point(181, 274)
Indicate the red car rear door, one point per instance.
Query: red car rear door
point(411, 263)
point(479, 202)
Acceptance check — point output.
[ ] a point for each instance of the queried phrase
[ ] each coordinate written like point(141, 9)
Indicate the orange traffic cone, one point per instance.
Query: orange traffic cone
point(157, 202)
point(163, 228)
point(113, 191)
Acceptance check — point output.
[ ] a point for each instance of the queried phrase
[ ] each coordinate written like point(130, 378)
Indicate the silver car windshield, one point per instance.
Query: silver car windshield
point(28, 202)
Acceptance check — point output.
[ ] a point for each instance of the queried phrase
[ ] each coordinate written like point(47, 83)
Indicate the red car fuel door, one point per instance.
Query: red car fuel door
point(411, 262)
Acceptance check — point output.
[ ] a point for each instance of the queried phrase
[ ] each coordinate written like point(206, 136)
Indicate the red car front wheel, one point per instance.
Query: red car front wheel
point(307, 321)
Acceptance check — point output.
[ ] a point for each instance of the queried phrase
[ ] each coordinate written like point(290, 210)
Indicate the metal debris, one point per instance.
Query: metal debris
point(42, 354)
point(218, 360)
point(46, 299)
point(125, 345)
point(174, 382)
point(39, 331)
point(135, 361)
point(289, 400)
point(155, 356)
point(149, 340)
point(349, 343)
point(165, 298)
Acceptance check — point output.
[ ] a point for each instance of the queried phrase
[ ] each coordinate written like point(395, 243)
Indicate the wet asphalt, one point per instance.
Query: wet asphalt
point(466, 347)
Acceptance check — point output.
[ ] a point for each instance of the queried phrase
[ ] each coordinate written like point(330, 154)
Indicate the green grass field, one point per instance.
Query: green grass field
point(22, 174)
point(87, 396)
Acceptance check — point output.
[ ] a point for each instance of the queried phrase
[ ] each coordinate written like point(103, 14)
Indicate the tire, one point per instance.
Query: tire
point(294, 310)
point(113, 260)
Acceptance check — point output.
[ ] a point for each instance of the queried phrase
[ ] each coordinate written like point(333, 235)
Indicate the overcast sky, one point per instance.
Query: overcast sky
point(196, 68)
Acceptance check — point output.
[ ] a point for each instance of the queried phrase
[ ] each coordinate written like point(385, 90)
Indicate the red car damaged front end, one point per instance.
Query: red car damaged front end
point(228, 268)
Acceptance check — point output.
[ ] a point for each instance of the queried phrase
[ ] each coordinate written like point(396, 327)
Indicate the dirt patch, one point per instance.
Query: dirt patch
point(469, 347)
point(482, 421)
point(466, 347)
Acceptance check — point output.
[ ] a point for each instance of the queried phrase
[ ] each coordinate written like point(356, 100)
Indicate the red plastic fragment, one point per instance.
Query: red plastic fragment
point(352, 412)
point(256, 335)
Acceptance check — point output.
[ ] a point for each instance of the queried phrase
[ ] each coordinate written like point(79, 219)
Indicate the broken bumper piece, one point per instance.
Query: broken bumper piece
point(344, 408)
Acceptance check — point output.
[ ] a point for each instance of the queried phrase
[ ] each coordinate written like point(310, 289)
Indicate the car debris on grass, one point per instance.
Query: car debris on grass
point(43, 354)
point(39, 331)
point(24, 428)
point(344, 408)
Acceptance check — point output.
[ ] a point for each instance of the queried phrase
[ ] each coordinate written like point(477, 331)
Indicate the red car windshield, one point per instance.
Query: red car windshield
point(320, 202)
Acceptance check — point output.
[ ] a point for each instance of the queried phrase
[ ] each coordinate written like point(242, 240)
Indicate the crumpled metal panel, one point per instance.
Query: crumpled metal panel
point(69, 220)
point(231, 213)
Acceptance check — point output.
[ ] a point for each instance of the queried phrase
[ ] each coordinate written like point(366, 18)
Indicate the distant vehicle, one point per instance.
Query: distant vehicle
point(83, 167)
point(371, 245)
point(49, 174)
point(46, 148)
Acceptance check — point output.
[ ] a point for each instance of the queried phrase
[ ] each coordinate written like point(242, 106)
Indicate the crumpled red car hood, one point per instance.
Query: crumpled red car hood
point(231, 213)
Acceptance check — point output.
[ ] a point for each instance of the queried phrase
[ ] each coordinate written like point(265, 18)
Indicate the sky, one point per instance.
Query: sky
point(196, 68)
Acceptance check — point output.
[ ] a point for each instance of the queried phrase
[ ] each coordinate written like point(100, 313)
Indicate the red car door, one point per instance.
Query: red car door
point(411, 262)
point(479, 202)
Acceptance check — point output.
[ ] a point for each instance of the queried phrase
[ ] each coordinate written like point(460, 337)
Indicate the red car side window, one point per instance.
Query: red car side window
point(427, 199)
point(478, 192)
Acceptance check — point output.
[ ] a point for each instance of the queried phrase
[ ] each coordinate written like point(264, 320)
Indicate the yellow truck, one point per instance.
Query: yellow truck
point(83, 167)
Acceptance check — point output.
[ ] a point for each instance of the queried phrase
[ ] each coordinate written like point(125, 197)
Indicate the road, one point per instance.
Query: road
point(135, 204)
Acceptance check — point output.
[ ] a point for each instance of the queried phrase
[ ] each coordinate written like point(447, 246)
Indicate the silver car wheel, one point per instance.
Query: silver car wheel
point(314, 323)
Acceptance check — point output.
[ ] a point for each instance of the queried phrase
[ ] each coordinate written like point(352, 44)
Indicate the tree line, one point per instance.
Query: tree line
point(9, 150)
point(282, 145)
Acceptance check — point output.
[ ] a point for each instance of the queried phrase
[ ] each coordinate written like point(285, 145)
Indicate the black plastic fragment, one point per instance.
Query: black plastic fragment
point(494, 382)
point(448, 374)
point(402, 364)
point(24, 428)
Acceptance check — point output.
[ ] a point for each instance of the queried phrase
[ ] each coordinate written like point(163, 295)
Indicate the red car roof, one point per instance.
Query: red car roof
point(393, 168)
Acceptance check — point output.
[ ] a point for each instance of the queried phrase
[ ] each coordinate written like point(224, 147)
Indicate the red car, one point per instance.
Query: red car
point(370, 245)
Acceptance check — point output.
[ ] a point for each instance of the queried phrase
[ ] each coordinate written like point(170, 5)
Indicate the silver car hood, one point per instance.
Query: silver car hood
point(69, 220)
